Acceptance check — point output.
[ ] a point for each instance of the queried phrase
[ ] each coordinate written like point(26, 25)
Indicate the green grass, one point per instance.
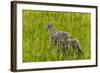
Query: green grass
point(36, 44)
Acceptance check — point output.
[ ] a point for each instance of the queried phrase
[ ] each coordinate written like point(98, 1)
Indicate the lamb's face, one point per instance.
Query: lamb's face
point(49, 26)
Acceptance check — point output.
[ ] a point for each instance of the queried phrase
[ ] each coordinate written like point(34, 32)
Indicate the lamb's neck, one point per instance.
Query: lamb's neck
point(53, 31)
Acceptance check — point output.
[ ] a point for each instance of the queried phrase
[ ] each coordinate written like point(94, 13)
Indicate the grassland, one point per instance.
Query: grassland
point(36, 44)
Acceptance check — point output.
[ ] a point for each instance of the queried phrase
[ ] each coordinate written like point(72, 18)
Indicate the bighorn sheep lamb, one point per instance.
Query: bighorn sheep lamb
point(62, 39)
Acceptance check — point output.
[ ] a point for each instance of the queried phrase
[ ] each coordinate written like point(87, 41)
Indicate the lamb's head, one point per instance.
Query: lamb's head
point(50, 26)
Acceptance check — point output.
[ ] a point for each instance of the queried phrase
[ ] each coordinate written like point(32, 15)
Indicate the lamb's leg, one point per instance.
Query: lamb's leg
point(64, 47)
point(62, 50)
point(76, 45)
